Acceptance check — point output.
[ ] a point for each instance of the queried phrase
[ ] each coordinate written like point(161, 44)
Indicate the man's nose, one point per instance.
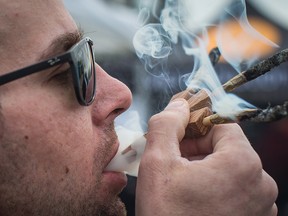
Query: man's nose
point(112, 97)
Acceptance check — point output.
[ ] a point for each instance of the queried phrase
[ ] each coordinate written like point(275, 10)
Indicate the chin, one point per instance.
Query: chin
point(114, 208)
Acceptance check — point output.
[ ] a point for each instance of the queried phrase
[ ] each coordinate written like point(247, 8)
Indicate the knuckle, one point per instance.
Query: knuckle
point(271, 187)
point(162, 117)
point(274, 210)
point(153, 161)
point(155, 118)
point(166, 120)
point(246, 165)
point(244, 170)
point(166, 116)
point(254, 163)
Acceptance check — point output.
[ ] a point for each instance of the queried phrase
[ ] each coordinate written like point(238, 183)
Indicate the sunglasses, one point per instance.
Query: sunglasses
point(81, 60)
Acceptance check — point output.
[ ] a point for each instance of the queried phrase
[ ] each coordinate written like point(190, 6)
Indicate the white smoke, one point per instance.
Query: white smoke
point(186, 22)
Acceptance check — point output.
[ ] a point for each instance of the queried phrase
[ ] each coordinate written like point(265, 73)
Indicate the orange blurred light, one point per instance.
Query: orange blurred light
point(235, 41)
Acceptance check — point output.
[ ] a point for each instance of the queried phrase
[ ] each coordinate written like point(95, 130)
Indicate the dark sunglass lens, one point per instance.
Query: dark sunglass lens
point(86, 74)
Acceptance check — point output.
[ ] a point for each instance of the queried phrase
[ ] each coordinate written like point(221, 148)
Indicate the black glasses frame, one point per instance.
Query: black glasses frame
point(72, 58)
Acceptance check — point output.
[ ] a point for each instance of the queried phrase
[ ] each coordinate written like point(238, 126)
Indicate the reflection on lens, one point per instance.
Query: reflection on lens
point(86, 73)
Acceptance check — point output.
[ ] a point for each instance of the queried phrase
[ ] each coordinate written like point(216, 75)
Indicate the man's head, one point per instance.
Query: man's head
point(53, 150)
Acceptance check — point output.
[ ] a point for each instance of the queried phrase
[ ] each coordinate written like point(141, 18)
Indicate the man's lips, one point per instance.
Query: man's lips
point(115, 181)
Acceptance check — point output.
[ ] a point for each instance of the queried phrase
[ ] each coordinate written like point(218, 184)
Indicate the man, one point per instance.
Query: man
point(56, 140)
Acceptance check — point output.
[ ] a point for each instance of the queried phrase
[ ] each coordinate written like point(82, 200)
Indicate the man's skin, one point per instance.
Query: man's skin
point(53, 151)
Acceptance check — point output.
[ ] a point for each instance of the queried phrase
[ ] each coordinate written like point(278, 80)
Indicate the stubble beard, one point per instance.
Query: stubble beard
point(87, 207)
point(28, 198)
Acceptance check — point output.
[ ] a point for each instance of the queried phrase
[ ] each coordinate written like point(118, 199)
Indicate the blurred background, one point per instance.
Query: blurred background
point(112, 25)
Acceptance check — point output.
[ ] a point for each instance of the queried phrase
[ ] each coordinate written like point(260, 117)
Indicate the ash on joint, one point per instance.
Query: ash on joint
point(272, 113)
point(266, 65)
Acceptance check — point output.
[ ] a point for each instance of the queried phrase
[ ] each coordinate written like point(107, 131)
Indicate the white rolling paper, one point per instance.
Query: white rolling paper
point(128, 162)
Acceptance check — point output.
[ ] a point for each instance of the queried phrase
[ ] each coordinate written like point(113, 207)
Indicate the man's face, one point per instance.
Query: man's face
point(52, 150)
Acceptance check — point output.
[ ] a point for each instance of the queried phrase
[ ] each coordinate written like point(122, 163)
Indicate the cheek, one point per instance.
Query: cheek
point(47, 141)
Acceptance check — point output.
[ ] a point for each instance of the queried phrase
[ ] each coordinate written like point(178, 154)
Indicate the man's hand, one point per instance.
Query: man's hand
point(219, 174)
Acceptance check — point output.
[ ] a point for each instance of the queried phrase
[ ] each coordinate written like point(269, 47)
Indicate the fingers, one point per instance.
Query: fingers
point(229, 172)
point(221, 135)
point(228, 136)
point(166, 129)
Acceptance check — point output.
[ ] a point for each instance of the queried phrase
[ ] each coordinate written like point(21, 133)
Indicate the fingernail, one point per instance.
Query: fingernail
point(175, 104)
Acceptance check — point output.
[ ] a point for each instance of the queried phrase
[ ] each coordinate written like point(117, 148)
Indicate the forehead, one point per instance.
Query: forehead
point(28, 27)
point(31, 15)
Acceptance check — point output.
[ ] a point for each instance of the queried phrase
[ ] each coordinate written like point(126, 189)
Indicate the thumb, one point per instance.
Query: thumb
point(167, 128)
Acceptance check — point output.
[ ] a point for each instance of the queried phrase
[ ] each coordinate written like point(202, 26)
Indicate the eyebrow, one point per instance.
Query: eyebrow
point(61, 44)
